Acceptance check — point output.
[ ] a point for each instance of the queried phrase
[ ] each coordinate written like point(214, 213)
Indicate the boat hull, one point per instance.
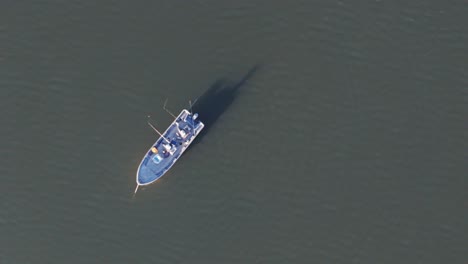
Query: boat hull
point(163, 154)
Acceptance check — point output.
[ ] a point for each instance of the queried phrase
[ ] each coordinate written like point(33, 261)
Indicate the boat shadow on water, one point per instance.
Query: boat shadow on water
point(217, 99)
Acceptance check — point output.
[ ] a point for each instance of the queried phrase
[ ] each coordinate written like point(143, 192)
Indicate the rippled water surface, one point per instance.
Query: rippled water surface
point(336, 131)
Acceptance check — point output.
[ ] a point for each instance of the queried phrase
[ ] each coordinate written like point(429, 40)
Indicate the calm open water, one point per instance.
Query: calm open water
point(336, 131)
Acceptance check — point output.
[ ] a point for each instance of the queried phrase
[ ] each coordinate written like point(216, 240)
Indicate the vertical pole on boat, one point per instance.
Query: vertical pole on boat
point(167, 110)
point(191, 105)
point(157, 131)
point(136, 189)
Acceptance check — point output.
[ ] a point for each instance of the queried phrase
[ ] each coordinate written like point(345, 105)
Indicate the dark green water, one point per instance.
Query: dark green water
point(347, 144)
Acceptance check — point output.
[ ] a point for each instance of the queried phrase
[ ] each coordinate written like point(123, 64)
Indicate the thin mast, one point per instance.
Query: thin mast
point(158, 131)
point(167, 110)
point(136, 189)
point(191, 105)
